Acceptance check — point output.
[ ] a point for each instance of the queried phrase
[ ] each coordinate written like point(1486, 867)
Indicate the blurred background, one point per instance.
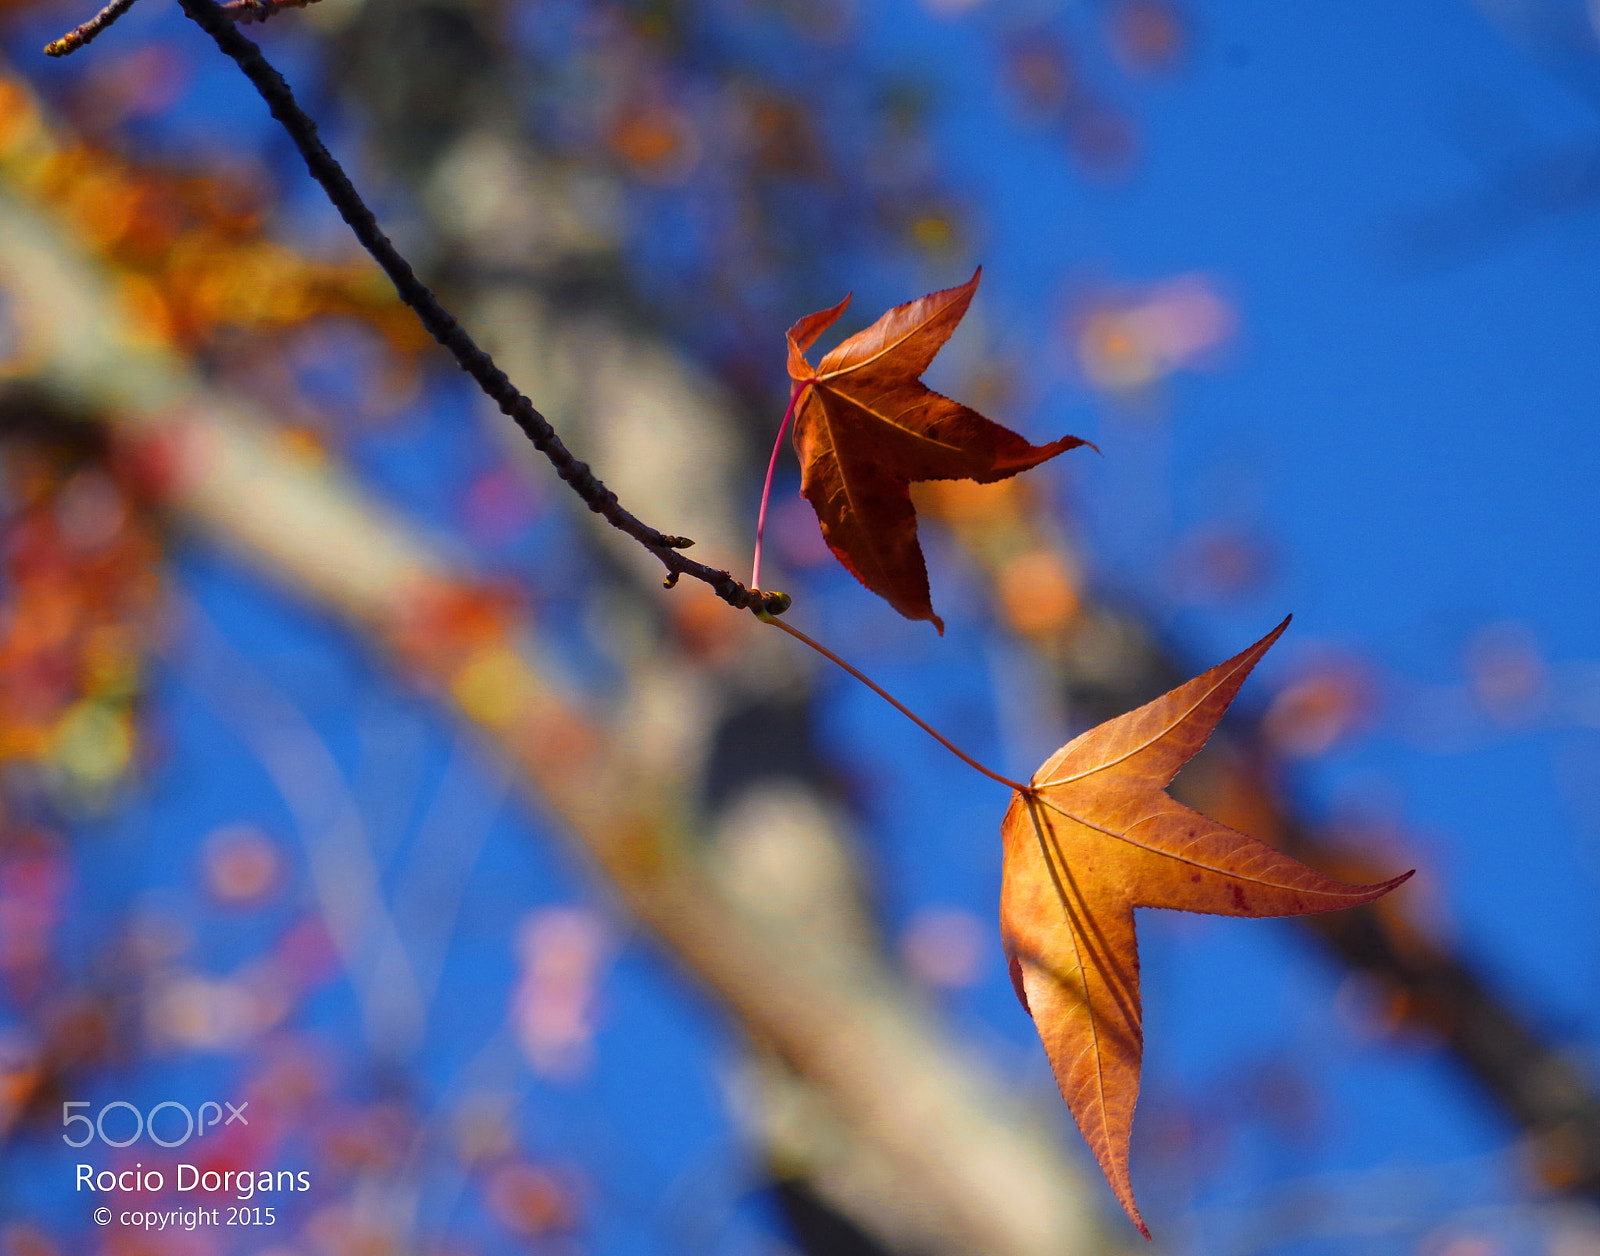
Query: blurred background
point(354, 773)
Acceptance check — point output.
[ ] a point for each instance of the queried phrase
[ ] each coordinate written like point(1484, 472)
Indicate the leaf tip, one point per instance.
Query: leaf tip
point(1254, 653)
point(805, 332)
point(1124, 1193)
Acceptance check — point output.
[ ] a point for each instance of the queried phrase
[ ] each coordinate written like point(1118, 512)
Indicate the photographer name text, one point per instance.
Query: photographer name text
point(239, 1183)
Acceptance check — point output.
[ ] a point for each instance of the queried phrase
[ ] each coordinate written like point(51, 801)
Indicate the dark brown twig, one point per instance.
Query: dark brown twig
point(78, 36)
point(245, 12)
point(216, 22)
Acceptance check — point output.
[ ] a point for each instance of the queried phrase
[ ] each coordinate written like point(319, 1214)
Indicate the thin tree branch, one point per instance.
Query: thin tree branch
point(444, 328)
point(245, 12)
point(242, 11)
point(78, 36)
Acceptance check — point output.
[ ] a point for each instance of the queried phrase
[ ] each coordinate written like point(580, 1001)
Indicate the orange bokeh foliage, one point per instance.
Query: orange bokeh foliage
point(191, 254)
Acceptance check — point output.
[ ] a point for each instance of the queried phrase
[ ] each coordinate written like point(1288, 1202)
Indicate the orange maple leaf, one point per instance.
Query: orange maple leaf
point(866, 427)
point(1095, 836)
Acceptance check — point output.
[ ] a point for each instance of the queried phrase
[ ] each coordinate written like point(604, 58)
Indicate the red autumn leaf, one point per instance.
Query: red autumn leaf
point(1096, 836)
point(866, 427)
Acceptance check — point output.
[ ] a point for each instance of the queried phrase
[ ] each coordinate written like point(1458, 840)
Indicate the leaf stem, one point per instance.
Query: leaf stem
point(796, 391)
point(1025, 790)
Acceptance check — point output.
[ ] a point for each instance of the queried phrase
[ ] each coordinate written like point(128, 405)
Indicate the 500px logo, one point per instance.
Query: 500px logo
point(194, 1124)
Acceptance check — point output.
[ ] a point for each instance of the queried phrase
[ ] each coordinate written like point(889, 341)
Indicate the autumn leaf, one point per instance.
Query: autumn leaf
point(1095, 836)
point(866, 427)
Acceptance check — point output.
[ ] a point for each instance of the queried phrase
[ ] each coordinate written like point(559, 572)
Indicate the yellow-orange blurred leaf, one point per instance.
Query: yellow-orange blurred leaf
point(1097, 835)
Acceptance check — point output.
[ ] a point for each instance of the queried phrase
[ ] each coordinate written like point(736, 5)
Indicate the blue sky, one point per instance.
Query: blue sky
point(1411, 428)
point(1411, 433)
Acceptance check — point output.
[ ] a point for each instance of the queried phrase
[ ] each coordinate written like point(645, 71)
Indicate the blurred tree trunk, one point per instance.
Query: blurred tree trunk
point(872, 1107)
